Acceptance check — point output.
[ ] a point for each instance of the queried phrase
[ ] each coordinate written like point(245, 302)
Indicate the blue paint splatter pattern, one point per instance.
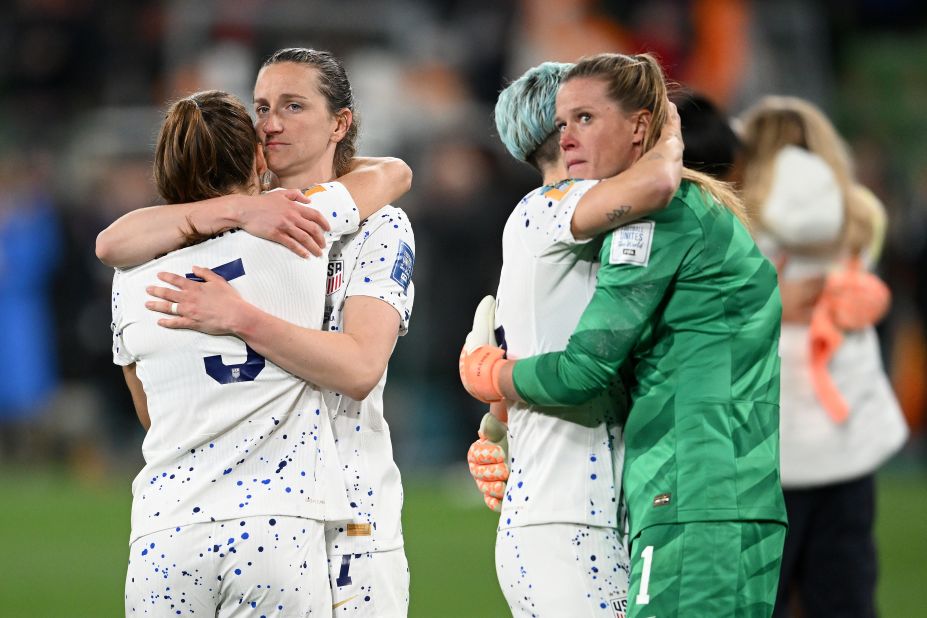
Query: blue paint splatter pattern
point(383, 246)
point(563, 570)
point(369, 585)
point(254, 566)
point(558, 549)
point(565, 464)
point(219, 451)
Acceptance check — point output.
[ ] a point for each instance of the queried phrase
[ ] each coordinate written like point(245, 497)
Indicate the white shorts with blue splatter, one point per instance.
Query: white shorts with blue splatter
point(254, 566)
point(563, 570)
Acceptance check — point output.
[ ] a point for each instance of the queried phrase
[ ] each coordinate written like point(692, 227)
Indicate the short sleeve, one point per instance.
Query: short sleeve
point(121, 356)
point(385, 263)
point(334, 201)
point(563, 232)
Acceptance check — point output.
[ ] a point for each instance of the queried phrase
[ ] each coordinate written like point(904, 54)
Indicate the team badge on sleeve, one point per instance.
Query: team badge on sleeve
point(631, 244)
point(335, 277)
point(402, 267)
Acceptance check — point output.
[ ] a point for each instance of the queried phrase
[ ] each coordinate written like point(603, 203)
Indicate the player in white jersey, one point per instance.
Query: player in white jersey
point(229, 509)
point(239, 455)
point(304, 118)
point(559, 546)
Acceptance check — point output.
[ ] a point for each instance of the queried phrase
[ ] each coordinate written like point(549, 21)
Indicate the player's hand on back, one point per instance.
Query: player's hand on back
point(488, 461)
point(282, 217)
point(210, 306)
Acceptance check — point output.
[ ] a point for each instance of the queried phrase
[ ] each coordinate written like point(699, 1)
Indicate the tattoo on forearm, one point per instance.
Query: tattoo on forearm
point(617, 213)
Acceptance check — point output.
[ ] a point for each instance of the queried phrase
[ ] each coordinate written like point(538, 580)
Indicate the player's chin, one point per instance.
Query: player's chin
point(580, 170)
point(276, 157)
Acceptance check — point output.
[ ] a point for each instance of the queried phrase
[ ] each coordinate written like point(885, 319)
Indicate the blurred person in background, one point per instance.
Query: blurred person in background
point(687, 296)
point(229, 462)
point(840, 420)
point(305, 120)
point(560, 544)
point(712, 146)
point(30, 245)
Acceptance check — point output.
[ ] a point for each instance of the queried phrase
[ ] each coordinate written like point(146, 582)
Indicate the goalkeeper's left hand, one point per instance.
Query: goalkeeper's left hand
point(481, 359)
point(488, 460)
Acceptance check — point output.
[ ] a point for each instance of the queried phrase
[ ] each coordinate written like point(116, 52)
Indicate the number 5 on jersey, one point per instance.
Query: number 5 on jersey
point(254, 362)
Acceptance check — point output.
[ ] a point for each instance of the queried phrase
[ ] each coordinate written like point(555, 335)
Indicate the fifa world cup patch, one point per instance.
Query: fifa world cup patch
point(335, 277)
point(402, 267)
point(631, 244)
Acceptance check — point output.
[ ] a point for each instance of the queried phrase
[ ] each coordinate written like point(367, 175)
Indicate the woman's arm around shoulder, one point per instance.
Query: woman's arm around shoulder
point(279, 216)
point(644, 188)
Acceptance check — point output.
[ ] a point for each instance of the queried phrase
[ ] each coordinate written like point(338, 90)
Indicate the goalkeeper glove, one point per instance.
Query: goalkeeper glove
point(488, 460)
point(481, 359)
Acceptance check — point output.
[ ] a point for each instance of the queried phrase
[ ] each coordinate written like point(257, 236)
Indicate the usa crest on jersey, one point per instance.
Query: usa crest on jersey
point(335, 277)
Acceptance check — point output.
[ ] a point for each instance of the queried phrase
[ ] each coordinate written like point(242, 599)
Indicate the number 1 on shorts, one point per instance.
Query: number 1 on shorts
point(647, 556)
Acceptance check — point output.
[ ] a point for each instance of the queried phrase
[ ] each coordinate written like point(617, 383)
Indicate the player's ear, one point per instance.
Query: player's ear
point(641, 120)
point(343, 119)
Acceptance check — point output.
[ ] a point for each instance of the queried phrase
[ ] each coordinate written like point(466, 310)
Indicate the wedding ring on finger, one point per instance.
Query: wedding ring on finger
point(174, 308)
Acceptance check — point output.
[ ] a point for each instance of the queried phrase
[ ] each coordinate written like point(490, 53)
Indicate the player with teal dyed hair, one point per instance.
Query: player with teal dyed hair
point(685, 296)
point(559, 549)
point(525, 114)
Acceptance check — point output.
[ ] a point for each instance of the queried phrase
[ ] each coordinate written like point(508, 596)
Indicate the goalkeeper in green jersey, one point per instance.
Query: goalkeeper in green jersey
point(687, 299)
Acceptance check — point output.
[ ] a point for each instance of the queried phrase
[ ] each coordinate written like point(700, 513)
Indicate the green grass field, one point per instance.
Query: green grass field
point(63, 547)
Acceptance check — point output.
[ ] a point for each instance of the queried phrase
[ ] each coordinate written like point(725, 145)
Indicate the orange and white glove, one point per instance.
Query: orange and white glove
point(488, 459)
point(481, 358)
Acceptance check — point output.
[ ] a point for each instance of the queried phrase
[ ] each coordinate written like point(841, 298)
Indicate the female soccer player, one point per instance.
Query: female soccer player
point(840, 420)
point(229, 509)
point(685, 296)
point(305, 121)
point(560, 548)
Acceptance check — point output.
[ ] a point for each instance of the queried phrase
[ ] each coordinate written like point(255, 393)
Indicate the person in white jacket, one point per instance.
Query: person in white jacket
point(840, 420)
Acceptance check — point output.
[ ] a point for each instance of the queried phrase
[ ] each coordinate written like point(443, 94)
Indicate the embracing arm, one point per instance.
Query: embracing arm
point(351, 362)
point(626, 299)
point(645, 187)
point(607, 332)
point(139, 399)
point(374, 182)
point(146, 233)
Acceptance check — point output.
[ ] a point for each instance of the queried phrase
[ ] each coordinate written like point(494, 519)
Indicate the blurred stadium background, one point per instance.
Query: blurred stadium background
point(83, 86)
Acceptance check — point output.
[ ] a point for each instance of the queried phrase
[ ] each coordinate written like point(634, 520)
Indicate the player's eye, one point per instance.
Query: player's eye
point(560, 126)
point(585, 117)
point(294, 107)
point(260, 110)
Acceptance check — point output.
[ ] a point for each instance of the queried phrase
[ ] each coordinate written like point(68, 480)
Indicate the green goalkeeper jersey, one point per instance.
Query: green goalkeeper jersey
point(686, 297)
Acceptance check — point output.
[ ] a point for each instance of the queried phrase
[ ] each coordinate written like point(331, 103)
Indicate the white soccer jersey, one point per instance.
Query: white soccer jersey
point(232, 435)
point(565, 463)
point(376, 261)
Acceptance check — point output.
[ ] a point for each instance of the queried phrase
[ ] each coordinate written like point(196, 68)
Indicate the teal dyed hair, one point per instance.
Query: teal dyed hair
point(525, 109)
